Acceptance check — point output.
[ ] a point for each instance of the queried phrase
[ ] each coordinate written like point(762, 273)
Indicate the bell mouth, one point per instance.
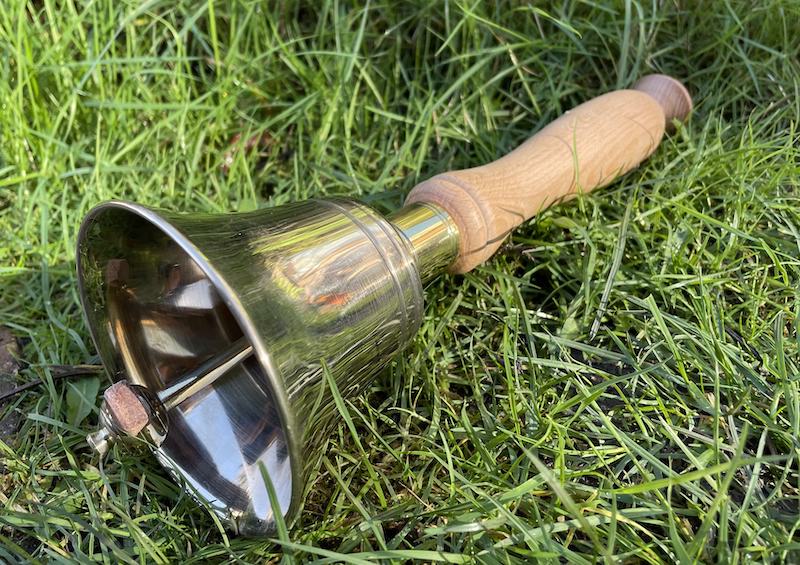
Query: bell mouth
point(158, 311)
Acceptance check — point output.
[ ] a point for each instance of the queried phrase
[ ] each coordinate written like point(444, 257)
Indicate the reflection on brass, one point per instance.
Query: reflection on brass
point(431, 234)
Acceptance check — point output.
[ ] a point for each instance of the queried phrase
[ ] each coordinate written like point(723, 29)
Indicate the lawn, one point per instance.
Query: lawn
point(619, 383)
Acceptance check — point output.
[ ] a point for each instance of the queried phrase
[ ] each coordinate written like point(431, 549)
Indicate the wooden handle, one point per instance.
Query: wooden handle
point(586, 148)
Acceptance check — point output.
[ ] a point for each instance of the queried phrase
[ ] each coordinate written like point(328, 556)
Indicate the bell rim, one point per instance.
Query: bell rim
point(288, 422)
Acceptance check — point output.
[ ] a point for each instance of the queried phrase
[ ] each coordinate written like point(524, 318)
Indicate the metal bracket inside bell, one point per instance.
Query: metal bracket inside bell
point(218, 330)
point(134, 411)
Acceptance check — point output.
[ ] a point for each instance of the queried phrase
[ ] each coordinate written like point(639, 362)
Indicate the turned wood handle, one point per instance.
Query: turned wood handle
point(586, 148)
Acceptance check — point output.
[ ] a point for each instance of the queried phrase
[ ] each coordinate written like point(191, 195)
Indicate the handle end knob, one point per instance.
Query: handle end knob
point(670, 94)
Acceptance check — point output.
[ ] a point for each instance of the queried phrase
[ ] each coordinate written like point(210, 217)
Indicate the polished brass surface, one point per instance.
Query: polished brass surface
point(205, 374)
point(297, 299)
point(431, 234)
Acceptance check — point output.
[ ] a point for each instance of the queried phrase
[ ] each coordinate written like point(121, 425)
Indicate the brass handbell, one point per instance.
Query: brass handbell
point(226, 334)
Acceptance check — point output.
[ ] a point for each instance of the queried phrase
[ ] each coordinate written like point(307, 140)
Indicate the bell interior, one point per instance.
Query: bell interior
point(155, 315)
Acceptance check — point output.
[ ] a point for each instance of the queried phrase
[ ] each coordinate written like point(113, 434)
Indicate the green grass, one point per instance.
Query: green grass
point(619, 384)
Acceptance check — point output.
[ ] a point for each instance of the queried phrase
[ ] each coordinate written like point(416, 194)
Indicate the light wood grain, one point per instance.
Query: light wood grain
point(586, 148)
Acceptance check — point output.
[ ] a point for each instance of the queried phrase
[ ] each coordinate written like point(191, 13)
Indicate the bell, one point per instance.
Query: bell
point(228, 335)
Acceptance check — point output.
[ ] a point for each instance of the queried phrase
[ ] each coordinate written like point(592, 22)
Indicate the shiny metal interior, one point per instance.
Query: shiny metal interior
point(159, 317)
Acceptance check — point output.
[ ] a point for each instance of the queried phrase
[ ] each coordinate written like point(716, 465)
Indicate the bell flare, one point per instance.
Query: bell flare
point(297, 302)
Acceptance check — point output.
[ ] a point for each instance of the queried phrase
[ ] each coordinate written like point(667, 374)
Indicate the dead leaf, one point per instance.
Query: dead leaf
point(9, 355)
point(9, 367)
